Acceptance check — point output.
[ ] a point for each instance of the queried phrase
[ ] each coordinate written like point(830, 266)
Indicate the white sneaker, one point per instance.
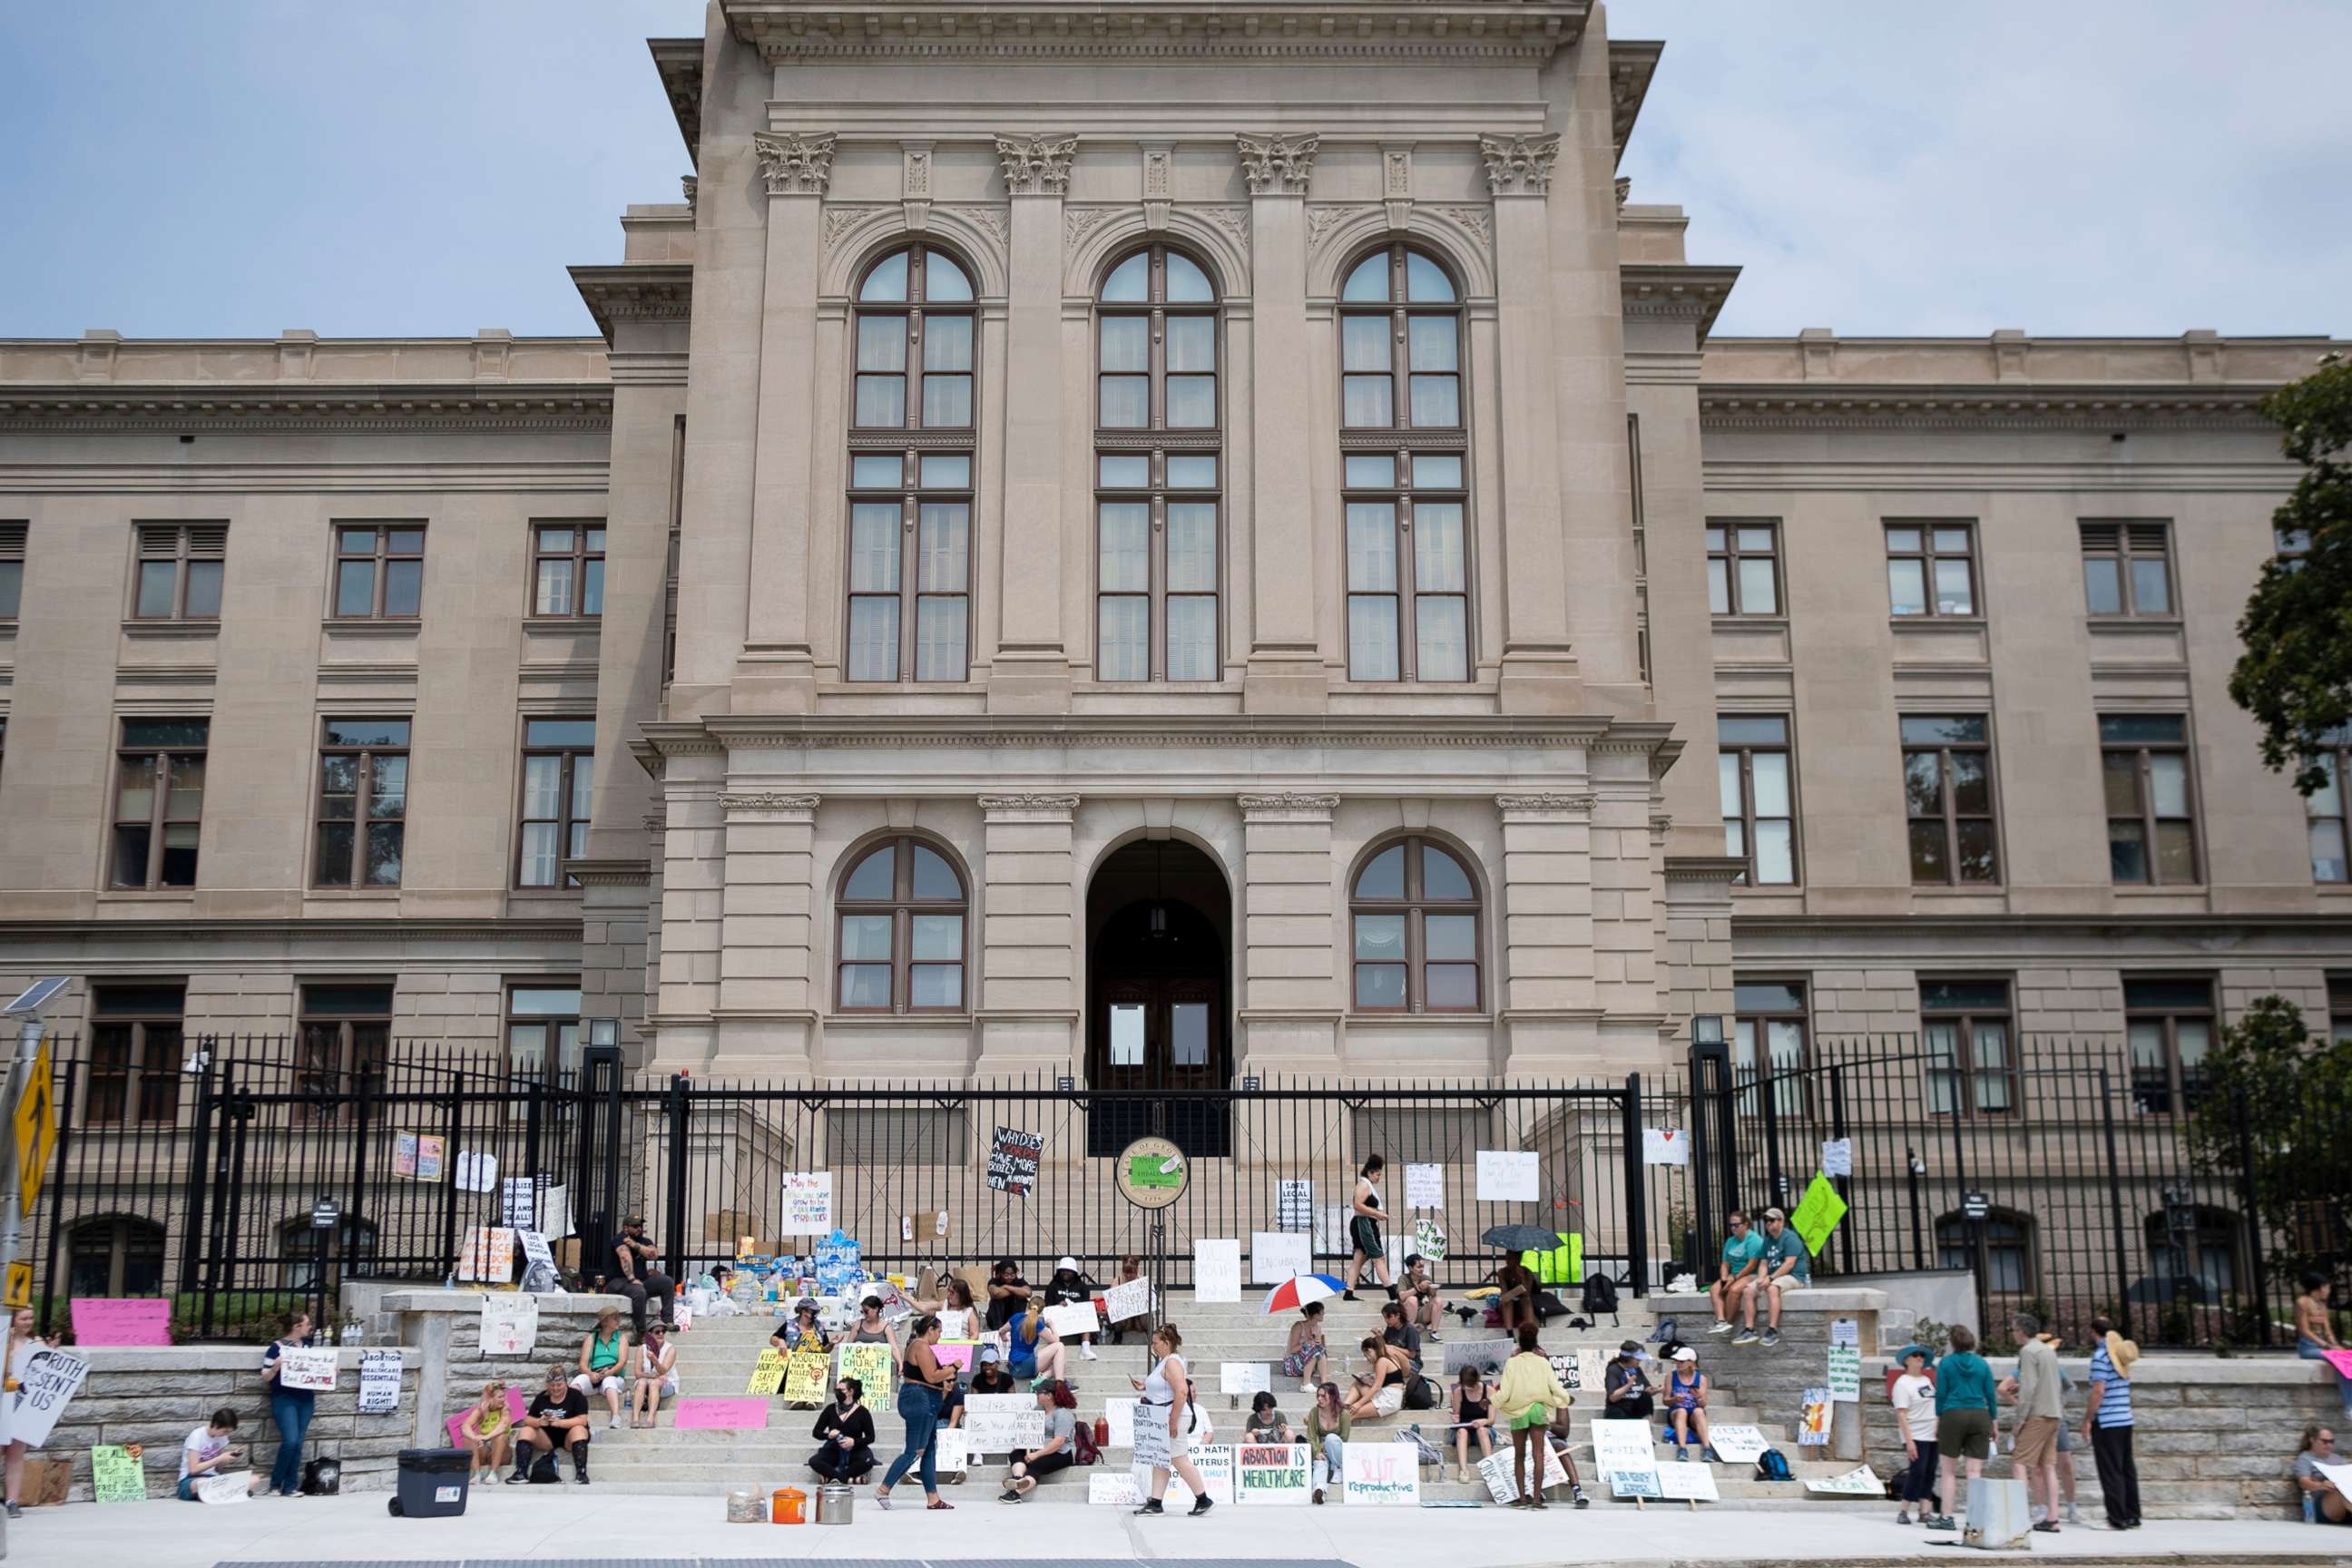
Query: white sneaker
point(1086, 1352)
point(615, 1425)
point(1306, 1388)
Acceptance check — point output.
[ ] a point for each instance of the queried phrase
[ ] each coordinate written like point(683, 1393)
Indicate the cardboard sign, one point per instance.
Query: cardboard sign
point(1507, 1176)
point(107, 1321)
point(1486, 1355)
point(1113, 1489)
point(432, 1153)
point(1429, 1240)
point(516, 1406)
point(1216, 1270)
point(1502, 1480)
point(1277, 1255)
point(768, 1372)
point(1837, 1156)
point(1624, 1447)
point(1272, 1475)
point(1818, 1215)
point(115, 1476)
point(1637, 1483)
point(1739, 1445)
point(2340, 1360)
point(808, 1377)
point(1120, 1414)
point(1665, 1146)
point(1813, 1418)
point(2337, 1475)
point(872, 1367)
point(1688, 1483)
point(1331, 1230)
point(1293, 1204)
point(379, 1381)
point(808, 1203)
point(1073, 1318)
point(519, 1201)
point(477, 1172)
point(1243, 1377)
point(311, 1369)
point(953, 1455)
point(510, 1324)
point(1591, 1368)
point(1132, 1299)
point(731, 1413)
point(1425, 1186)
point(485, 1255)
point(957, 1354)
point(1379, 1474)
point(1013, 1157)
point(999, 1423)
point(535, 1253)
point(404, 1155)
point(1860, 1481)
point(225, 1489)
point(1216, 1464)
point(48, 1382)
point(1150, 1426)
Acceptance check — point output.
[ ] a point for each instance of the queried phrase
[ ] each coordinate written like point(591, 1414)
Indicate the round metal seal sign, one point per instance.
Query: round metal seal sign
point(1152, 1172)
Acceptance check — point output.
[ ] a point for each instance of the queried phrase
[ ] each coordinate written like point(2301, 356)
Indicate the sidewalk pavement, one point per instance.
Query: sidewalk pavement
point(548, 1524)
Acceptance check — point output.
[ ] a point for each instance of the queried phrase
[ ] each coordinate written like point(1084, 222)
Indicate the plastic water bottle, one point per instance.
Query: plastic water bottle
point(2311, 1508)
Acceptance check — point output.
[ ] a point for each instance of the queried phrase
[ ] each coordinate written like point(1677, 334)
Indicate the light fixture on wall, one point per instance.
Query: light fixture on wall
point(1156, 919)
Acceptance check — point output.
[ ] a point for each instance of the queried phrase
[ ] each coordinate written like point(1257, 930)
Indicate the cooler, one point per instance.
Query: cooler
point(432, 1483)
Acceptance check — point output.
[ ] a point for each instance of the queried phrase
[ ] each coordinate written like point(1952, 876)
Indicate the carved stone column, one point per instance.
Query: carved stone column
point(1032, 666)
point(1031, 1000)
point(777, 672)
point(1538, 673)
point(1291, 965)
point(1287, 673)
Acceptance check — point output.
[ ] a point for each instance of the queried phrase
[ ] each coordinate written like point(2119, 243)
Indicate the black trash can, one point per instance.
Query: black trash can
point(432, 1483)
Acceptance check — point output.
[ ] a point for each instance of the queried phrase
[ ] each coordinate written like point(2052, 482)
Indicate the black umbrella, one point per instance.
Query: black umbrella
point(1519, 1239)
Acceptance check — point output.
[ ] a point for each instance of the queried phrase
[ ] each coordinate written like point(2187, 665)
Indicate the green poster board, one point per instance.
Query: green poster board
point(115, 1476)
point(1152, 1170)
point(1818, 1215)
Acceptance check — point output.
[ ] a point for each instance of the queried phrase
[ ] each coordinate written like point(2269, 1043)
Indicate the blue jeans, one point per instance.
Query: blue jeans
point(920, 1408)
point(292, 1414)
point(2310, 1349)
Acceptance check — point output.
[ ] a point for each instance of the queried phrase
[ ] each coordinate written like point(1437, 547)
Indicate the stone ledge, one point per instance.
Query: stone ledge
point(2278, 1371)
point(212, 1358)
point(436, 1299)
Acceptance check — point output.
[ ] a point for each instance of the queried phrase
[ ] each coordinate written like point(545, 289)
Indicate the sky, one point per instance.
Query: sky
point(219, 168)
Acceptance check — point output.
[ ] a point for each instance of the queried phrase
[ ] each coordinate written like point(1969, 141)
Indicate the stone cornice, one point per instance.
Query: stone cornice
point(890, 731)
point(1036, 165)
point(1277, 165)
point(1518, 165)
point(609, 873)
point(1546, 805)
point(1672, 292)
point(635, 292)
point(793, 162)
point(1959, 406)
point(1286, 807)
point(279, 406)
point(679, 61)
point(768, 802)
point(1632, 63)
point(1029, 807)
point(182, 932)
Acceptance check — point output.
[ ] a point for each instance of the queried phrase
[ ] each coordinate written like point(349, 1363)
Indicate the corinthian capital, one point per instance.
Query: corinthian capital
point(1036, 166)
point(1277, 165)
point(1518, 165)
point(793, 164)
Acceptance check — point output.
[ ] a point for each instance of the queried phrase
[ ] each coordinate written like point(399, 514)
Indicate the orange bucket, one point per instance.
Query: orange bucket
point(785, 1506)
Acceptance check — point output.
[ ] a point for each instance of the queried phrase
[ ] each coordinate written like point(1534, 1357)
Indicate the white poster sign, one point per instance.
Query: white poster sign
point(1243, 1377)
point(1331, 1230)
point(1120, 1414)
point(1624, 1447)
point(1502, 1480)
point(1293, 1204)
point(1665, 1146)
point(1507, 1176)
point(1216, 1467)
point(477, 1172)
point(1688, 1483)
point(379, 1381)
point(1859, 1481)
point(1379, 1474)
point(517, 1201)
point(50, 1380)
point(1486, 1355)
point(225, 1489)
point(555, 1211)
point(1114, 1489)
point(311, 1369)
point(2338, 1475)
point(1845, 1360)
point(999, 1423)
point(1216, 1270)
point(1150, 1437)
point(535, 1250)
point(1073, 1319)
point(1591, 1368)
point(808, 1203)
point(485, 1255)
point(1739, 1445)
point(953, 1455)
point(1425, 1186)
point(1277, 1255)
point(510, 1324)
point(1275, 1475)
point(1131, 1299)
point(1837, 1156)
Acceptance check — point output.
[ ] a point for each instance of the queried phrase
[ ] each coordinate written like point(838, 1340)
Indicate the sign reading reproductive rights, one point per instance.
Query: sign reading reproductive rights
point(1383, 1475)
point(109, 1320)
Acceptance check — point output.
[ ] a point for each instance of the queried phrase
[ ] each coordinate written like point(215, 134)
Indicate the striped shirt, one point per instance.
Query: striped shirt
point(2115, 1403)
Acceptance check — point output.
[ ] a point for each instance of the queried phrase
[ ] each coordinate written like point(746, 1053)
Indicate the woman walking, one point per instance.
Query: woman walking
point(1527, 1396)
point(1167, 1393)
point(923, 1382)
point(1364, 1230)
point(290, 1408)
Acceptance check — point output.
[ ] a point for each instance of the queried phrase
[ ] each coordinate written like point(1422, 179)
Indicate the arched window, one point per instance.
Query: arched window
point(910, 493)
point(298, 1247)
point(2009, 1268)
point(2196, 1245)
point(1157, 449)
point(115, 1254)
point(1408, 543)
point(901, 929)
point(1415, 916)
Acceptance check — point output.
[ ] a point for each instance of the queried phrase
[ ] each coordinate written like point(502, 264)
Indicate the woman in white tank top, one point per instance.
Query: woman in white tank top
point(1167, 1393)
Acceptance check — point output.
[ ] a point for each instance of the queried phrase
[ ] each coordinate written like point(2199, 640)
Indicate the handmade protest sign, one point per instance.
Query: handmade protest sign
point(2338, 1476)
point(768, 1373)
point(1277, 1255)
point(957, 1353)
point(115, 1476)
point(1115, 1489)
point(1293, 1204)
point(1131, 1299)
point(1818, 1215)
point(870, 1364)
point(1013, 1157)
point(1429, 1240)
point(1688, 1483)
point(225, 1489)
point(2340, 1360)
point(1507, 1176)
point(1120, 1414)
point(1272, 1475)
point(379, 1381)
point(1859, 1481)
point(1624, 1447)
point(1665, 1146)
point(999, 1423)
point(1379, 1474)
point(1075, 1318)
point(1845, 1359)
point(808, 1203)
point(477, 1172)
point(1812, 1419)
point(954, 1456)
point(1739, 1445)
point(1502, 1480)
point(806, 1376)
point(510, 1324)
point(535, 1252)
point(404, 1155)
point(1425, 1186)
point(732, 1412)
point(485, 1255)
point(1216, 1464)
point(106, 1321)
point(1150, 1426)
point(1243, 1377)
point(1637, 1483)
point(1837, 1156)
point(1486, 1355)
point(432, 1150)
point(1591, 1368)
point(1216, 1270)
point(307, 1368)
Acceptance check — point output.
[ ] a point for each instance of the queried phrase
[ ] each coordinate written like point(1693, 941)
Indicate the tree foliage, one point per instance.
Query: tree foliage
point(2295, 674)
point(2271, 1090)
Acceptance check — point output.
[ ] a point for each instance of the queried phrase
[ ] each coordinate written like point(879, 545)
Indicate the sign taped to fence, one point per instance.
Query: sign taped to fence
point(1429, 1240)
point(1425, 1186)
point(1665, 1146)
point(519, 1200)
point(1837, 1156)
point(432, 1151)
point(1739, 1445)
point(768, 1371)
point(1508, 1176)
point(48, 1384)
point(404, 1155)
point(1277, 1255)
point(313, 1369)
point(379, 1381)
point(477, 1172)
point(808, 1203)
point(999, 1423)
point(1382, 1475)
point(1272, 1475)
point(535, 1251)
point(1073, 1319)
point(115, 1476)
point(806, 1375)
point(1216, 1270)
point(510, 1323)
point(1818, 1215)
point(870, 1364)
point(1502, 1480)
point(1293, 1204)
point(1013, 1157)
point(485, 1255)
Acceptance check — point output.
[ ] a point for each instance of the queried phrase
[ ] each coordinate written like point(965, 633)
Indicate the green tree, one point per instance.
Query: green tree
point(2295, 674)
point(2293, 1096)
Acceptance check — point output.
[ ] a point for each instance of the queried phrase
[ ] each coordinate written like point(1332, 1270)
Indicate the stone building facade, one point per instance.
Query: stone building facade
point(1152, 547)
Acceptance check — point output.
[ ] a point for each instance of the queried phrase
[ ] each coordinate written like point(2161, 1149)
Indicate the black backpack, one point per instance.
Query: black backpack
point(1772, 1465)
point(1420, 1393)
point(543, 1472)
point(1599, 1296)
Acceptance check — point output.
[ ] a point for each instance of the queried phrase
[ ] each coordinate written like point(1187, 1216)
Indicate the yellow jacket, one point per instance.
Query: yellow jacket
point(1527, 1381)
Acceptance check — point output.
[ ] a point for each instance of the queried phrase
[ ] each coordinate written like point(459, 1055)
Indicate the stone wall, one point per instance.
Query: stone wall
point(443, 1330)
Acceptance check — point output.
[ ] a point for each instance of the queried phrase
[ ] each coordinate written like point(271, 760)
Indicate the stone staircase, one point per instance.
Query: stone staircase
point(716, 1356)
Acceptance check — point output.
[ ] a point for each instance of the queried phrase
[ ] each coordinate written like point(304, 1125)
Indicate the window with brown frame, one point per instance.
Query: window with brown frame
point(12, 569)
point(899, 923)
point(380, 571)
point(543, 1027)
point(345, 1030)
point(2149, 778)
point(180, 570)
point(1768, 1031)
point(1158, 452)
point(567, 570)
point(1408, 576)
point(2339, 1007)
point(2127, 568)
point(115, 1254)
point(1967, 1028)
point(1998, 1247)
point(1743, 566)
point(1948, 791)
point(1755, 779)
point(1931, 567)
point(2326, 811)
point(363, 803)
point(1415, 912)
point(909, 612)
point(559, 784)
point(158, 801)
point(2169, 1028)
point(135, 1035)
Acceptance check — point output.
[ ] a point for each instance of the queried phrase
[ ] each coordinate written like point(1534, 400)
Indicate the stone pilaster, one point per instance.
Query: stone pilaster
point(691, 850)
point(1031, 1003)
point(1547, 996)
point(1294, 972)
point(766, 998)
point(1031, 669)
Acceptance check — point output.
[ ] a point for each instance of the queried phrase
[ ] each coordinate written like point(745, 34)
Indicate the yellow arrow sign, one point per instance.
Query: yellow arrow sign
point(37, 1131)
point(20, 1292)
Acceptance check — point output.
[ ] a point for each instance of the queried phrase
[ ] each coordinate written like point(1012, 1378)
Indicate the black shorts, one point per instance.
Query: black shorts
point(1045, 1464)
point(1365, 1232)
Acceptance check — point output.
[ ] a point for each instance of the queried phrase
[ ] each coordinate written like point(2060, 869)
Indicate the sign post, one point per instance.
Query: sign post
point(1152, 1173)
point(27, 1100)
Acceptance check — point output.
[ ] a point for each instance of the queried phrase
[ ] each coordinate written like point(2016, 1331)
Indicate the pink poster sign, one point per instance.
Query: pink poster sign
point(515, 1407)
point(733, 1411)
point(2340, 1360)
point(957, 1353)
point(109, 1320)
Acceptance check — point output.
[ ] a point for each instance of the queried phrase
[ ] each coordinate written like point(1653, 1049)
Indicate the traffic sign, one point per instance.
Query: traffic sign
point(37, 1131)
point(20, 1292)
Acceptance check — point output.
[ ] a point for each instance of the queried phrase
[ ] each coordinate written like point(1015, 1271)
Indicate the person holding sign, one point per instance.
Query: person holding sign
point(1474, 1412)
point(652, 1375)
point(487, 1431)
point(1528, 1394)
point(1131, 1269)
point(1782, 1265)
point(1060, 1450)
point(1364, 1231)
point(207, 1453)
point(923, 1382)
point(1068, 1287)
point(289, 1408)
point(2321, 1498)
point(846, 1429)
point(1167, 1393)
point(22, 1342)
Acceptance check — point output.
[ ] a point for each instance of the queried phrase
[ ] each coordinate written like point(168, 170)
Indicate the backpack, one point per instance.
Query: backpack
point(1772, 1466)
point(1083, 1450)
point(543, 1472)
point(1599, 1295)
point(1420, 1393)
point(1665, 1333)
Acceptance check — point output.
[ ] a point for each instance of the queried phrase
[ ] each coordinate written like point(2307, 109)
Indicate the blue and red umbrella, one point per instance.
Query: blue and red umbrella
point(1300, 1289)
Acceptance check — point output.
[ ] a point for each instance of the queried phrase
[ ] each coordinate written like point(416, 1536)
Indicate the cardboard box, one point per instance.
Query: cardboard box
point(567, 1254)
point(46, 1481)
point(925, 1228)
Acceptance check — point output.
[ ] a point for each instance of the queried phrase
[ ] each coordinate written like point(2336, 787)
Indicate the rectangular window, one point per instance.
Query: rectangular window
point(180, 568)
point(2127, 568)
point(135, 1035)
point(12, 569)
point(1971, 1064)
point(543, 1027)
point(2329, 821)
point(1743, 566)
point(1947, 793)
point(1408, 566)
point(158, 801)
point(363, 803)
point(909, 566)
point(1931, 567)
point(567, 570)
point(2339, 1006)
point(1768, 1041)
point(1156, 583)
point(2149, 779)
point(380, 571)
point(1755, 769)
point(559, 776)
point(2169, 1024)
point(346, 1036)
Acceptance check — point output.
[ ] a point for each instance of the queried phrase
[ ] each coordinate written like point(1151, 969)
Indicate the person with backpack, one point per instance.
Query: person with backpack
point(1528, 1394)
point(1380, 1387)
point(1968, 1419)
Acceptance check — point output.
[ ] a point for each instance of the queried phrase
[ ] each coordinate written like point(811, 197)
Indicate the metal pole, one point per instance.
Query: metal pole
point(1918, 1236)
point(1702, 1203)
point(2254, 1214)
point(1844, 1184)
point(200, 1159)
point(2116, 1202)
point(20, 1072)
point(1637, 1228)
point(673, 1219)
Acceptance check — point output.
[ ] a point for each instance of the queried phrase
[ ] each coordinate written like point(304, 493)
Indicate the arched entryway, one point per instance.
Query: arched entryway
point(1159, 1000)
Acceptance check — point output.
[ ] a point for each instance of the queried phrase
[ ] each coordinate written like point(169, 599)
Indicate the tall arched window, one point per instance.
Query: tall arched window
point(2007, 1238)
point(1406, 500)
point(900, 927)
point(115, 1254)
point(1158, 447)
point(1415, 913)
point(910, 459)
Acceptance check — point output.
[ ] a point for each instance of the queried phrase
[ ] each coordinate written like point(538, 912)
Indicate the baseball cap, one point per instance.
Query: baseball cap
point(1775, 1214)
point(1687, 1353)
point(990, 1353)
point(1069, 1263)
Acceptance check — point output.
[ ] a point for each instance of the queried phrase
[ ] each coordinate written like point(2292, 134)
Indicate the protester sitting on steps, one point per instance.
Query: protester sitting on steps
point(1514, 1295)
point(1625, 1387)
point(1395, 1331)
point(1784, 1263)
point(487, 1431)
point(641, 1277)
point(1418, 1292)
point(603, 1352)
point(1380, 1388)
point(1686, 1392)
point(1968, 1419)
point(1529, 1392)
point(1031, 1349)
point(871, 1329)
point(1328, 1427)
point(1303, 1358)
point(1265, 1422)
point(653, 1373)
point(959, 1316)
point(556, 1418)
point(2315, 1331)
point(207, 1453)
point(1913, 1396)
point(1736, 1274)
point(990, 1376)
point(1131, 1269)
point(2322, 1502)
point(800, 1332)
point(845, 1431)
point(1560, 1450)
point(1069, 1287)
point(1061, 1446)
point(1473, 1414)
point(1007, 1293)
